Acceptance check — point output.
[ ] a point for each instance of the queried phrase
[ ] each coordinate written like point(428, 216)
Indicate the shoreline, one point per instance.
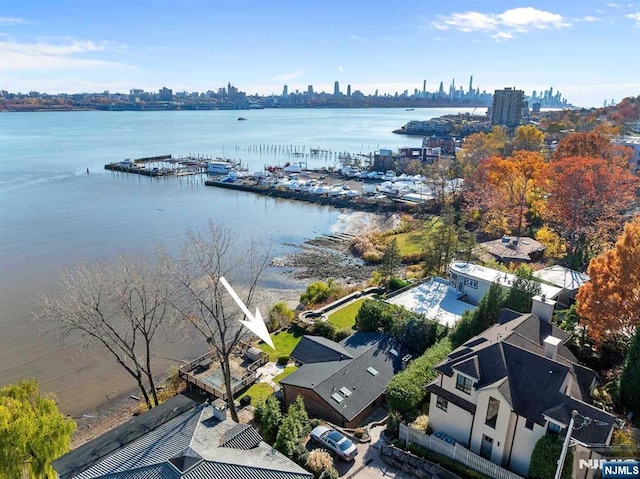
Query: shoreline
point(117, 410)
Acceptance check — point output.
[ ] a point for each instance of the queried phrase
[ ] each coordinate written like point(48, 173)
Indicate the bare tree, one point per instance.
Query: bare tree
point(203, 300)
point(119, 305)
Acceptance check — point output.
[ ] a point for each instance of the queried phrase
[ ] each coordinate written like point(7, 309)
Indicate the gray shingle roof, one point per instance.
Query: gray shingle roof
point(316, 349)
point(368, 350)
point(512, 356)
point(173, 449)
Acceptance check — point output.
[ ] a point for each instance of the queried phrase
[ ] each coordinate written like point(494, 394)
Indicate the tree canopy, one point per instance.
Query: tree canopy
point(611, 300)
point(33, 432)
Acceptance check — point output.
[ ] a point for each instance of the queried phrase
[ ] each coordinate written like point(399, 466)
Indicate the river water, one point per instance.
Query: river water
point(53, 213)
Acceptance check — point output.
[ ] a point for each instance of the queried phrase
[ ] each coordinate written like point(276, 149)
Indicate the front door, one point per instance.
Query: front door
point(486, 447)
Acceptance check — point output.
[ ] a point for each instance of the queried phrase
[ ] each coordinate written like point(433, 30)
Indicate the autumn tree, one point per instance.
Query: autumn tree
point(32, 432)
point(480, 146)
point(587, 200)
point(528, 138)
point(610, 301)
point(120, 306)
point(202, 299)
point(506, 190)
point(591, 144)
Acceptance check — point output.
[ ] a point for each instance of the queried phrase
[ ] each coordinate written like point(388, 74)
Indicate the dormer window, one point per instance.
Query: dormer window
point(553, 429)
point(463, 384)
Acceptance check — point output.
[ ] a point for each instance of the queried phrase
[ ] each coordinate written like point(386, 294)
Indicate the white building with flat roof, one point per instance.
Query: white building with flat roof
point(632, 142)
point(473, 281)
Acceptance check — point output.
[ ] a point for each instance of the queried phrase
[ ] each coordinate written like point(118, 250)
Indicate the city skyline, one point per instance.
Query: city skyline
point(197, 45)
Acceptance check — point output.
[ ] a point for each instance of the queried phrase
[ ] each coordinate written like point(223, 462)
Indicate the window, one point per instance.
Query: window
point(529, 424)
point(553, 429)
point(442, 403)
point(472, 283)
point(463, 384)
point(453, 280)
point(492, 412)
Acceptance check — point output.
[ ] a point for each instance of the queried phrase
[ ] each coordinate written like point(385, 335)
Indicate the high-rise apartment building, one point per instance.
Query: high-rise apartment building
point(507, 107)
point(336, 89)
point(285, 91)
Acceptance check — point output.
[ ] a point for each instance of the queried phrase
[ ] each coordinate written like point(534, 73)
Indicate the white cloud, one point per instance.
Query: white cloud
point(634, 16)
point(503, 25)
point(612, 5)
point(54, 56)
point(289, 76)
point(9, 21)
point(340, 69)
point(590, 19)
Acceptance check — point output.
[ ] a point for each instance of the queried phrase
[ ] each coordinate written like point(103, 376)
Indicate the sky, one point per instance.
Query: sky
point(586, 49)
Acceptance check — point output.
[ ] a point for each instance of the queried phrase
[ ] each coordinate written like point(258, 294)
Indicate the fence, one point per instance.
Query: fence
point(456, 452)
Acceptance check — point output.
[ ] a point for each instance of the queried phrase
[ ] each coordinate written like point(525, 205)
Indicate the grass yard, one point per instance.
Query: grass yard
point(413, 242)
point(288, 370)
point(259, 392)
point(345, 318)
point(284, 342)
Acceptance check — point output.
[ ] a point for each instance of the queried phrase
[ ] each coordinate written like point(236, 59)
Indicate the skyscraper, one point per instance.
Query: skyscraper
point(424, 86)
point(336, 89)
point(285, 91)
point(471, 85)
point(348, 90)
point(507, 107)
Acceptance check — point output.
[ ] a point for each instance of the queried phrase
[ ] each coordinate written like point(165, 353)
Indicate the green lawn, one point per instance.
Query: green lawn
point(259, 392)
point(288, 370)
point(284, 342)
point(413, 242)
point(345, 318)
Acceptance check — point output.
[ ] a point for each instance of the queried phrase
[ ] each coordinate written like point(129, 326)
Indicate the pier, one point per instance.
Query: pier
point(163, 165)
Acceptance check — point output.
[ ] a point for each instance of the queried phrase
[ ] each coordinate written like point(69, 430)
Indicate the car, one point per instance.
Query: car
point(335, 441)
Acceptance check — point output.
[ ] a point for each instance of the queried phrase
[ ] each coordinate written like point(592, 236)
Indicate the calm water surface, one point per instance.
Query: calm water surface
point(53, 214)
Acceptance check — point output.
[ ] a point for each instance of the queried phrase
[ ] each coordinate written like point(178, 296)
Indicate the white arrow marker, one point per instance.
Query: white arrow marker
point(255, 323)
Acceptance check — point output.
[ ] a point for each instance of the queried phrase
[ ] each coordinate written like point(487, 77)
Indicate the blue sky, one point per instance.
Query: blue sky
point(586, 49)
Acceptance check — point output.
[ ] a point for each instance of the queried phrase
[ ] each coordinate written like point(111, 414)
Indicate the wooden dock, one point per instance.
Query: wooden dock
point(163, 165)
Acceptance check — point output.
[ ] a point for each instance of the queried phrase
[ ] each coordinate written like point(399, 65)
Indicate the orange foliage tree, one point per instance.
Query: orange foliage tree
point(587, 200)
point(505, 190)
point(591, 144)
point(610, 302)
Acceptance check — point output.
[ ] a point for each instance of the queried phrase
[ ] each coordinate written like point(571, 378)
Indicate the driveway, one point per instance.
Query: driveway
point(368, 464)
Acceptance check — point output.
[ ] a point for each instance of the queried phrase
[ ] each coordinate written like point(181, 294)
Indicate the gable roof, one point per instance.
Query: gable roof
point(511, 356)
point(316, 349)
point(191, 445)
point(352, 383)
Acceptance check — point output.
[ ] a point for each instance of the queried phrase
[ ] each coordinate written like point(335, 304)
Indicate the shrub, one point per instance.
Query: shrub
point(283, 360)
point(395, 284)
point(280, 316)
point(544, 459)
point(245, 400)
point(320, 292)
point(324, 329)
point(421, 423)
point(329, 474)
point(318, 461)
point(342, 334)
point(393, 423)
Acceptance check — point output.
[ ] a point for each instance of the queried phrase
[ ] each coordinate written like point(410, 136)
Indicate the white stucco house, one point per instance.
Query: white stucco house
point(472, 281)
point(504, 389)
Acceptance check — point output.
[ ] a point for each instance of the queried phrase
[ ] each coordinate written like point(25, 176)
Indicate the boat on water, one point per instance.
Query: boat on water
point(242, 118)
point(410, 109)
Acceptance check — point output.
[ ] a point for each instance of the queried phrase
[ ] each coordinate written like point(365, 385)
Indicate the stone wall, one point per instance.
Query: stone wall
point(414, 465)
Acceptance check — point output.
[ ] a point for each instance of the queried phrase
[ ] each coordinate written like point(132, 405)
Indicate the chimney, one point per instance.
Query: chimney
point(220, 411)
point(551, 344)
point(543, 308)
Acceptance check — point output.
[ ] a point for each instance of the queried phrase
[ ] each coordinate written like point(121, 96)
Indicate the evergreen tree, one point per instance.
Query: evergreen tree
point(390, 260)
point(270, 418)
point(630, 378)
point(485, 315)
point(523, 289)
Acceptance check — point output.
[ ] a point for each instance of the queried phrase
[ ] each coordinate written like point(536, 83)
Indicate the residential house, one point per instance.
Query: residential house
point(504, 389)
point(179, 439)
point(473, 281)
point(343, 382)
point(514, 250)
point(566, 279)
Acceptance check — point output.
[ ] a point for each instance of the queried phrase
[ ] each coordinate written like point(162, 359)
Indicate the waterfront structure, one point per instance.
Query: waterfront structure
point(503, 390)
point(507, 106)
